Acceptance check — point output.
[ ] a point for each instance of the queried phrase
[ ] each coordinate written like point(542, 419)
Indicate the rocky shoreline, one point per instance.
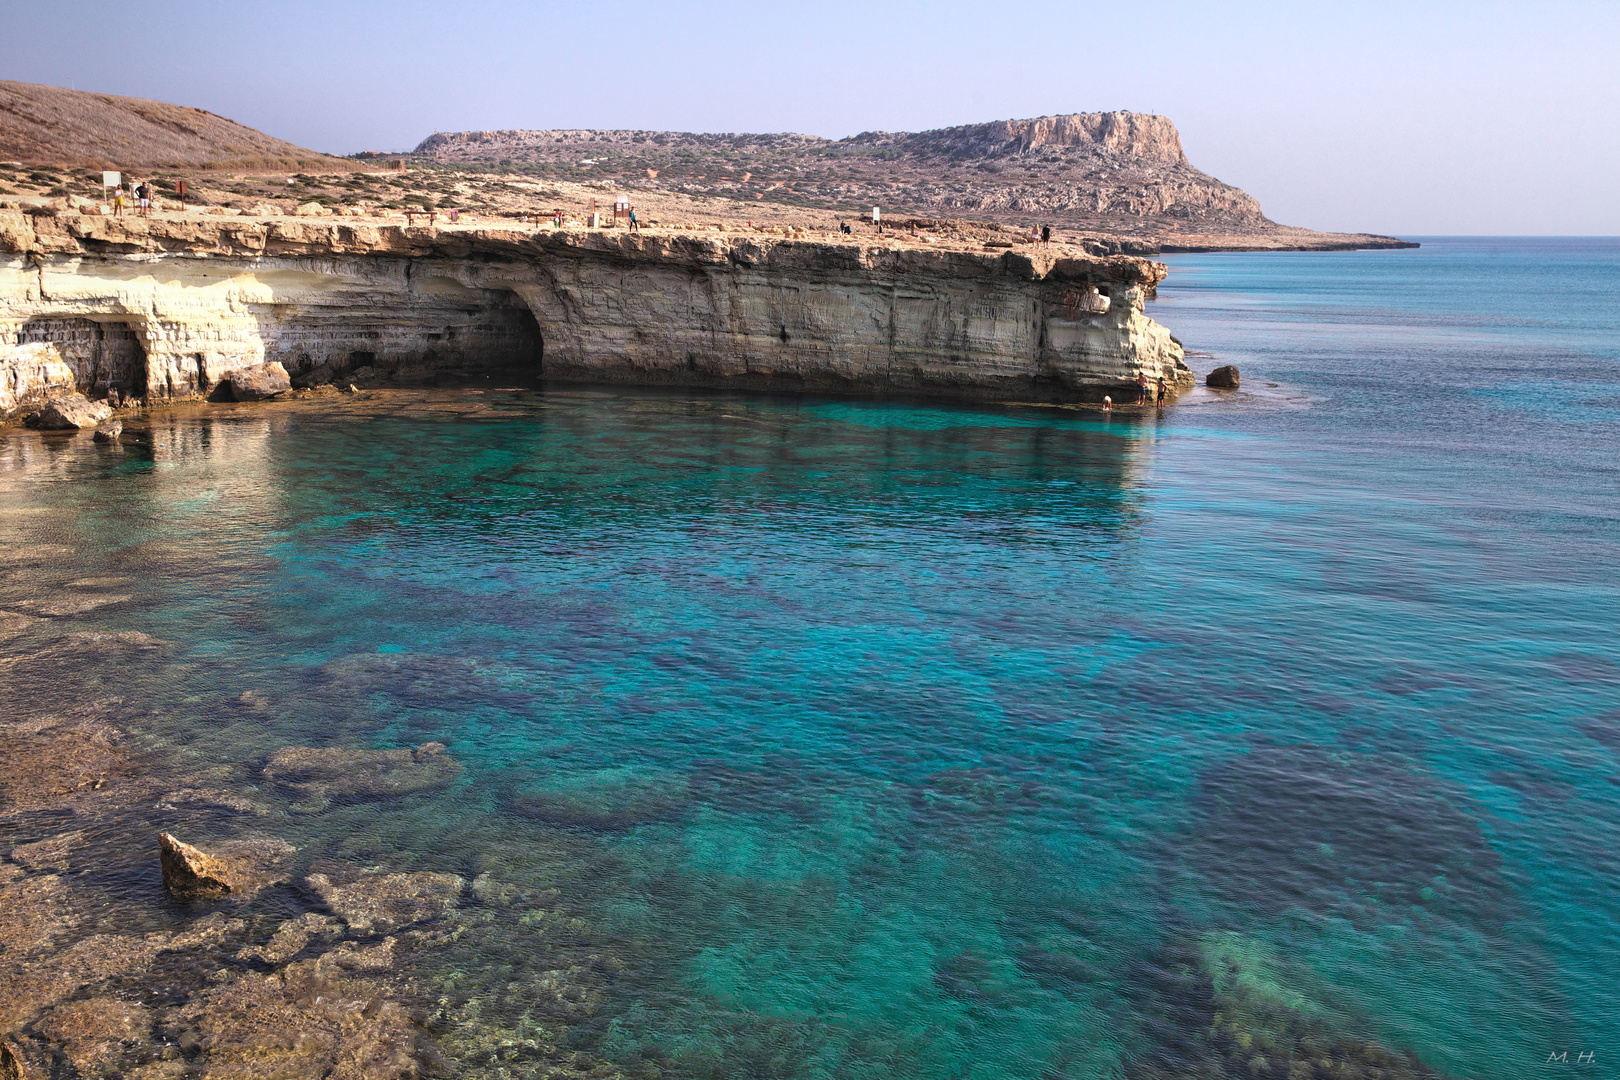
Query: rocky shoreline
point(284, 966)
point(176, 896)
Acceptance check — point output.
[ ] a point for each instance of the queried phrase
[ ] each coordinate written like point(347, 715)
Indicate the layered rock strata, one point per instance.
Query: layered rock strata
point(171, 308)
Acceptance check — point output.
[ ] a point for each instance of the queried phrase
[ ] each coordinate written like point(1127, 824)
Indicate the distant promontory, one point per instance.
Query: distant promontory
point(1119, 179)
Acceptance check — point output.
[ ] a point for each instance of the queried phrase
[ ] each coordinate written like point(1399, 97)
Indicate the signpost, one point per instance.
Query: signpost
point(109, 180)
point(182, 186)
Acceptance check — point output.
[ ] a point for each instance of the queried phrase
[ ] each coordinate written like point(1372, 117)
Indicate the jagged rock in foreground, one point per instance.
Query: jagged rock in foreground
point(238, 868)
point(216, 297)
point(190, 874)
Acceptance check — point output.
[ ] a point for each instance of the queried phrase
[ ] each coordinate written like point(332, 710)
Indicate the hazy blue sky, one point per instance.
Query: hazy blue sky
point(1398, 118)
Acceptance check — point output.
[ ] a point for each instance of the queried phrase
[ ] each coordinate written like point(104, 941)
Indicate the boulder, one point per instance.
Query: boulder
point(312, 209)
point(1223, 378)
point(69, 412)
point(259, 382)
point(240, 868)
point(190, 874)
point(109, 432)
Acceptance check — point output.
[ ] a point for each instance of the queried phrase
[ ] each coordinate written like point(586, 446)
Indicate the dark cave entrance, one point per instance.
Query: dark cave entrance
point(102, 355)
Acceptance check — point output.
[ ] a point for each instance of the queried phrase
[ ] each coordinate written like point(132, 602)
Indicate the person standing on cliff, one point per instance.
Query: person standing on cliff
point(1161, 391)
point(635, 226)
point(1141, 388)
point(118, 201)
point(143, 197)
point(1046, 234)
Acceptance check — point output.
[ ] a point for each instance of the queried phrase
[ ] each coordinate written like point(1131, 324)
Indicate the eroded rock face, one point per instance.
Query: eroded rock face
point(318, 775)
point(259, 382)
point(70, 412)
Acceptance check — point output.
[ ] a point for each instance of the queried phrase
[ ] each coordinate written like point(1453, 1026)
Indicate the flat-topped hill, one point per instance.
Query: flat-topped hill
point(1121, 177)
point(49, 125)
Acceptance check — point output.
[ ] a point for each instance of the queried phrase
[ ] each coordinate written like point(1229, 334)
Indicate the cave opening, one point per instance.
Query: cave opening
point(102, 355)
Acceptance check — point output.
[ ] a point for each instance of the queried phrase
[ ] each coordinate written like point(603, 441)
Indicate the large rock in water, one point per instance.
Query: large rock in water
point(259, 382)
point(69, 412)
point(190, 874)
point(1223, 378)
point(242, 868)
point(108, 433)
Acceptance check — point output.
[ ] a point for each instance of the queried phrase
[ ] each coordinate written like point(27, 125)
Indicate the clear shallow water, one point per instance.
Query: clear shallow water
point(891, 740)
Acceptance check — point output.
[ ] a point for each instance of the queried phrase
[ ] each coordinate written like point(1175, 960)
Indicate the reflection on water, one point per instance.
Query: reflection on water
point(813, 738)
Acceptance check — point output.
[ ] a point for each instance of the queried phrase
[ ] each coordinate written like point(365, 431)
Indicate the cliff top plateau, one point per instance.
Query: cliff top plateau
point(42, 125)
point(1121, 178)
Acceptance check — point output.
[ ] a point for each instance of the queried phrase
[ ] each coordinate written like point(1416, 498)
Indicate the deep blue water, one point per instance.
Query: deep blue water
point(928, 741)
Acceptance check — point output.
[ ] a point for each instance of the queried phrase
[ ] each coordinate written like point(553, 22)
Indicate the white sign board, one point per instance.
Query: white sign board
point(111, 179)
point(874, 213)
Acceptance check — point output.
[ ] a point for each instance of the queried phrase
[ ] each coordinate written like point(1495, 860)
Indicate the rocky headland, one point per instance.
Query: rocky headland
point(197, 305)
point(1112, 181)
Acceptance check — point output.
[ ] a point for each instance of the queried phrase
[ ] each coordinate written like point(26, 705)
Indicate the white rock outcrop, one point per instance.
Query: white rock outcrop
point(170, 308)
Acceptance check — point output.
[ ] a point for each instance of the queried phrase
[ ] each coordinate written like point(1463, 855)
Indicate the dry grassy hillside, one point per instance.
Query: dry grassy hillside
point(42, 125)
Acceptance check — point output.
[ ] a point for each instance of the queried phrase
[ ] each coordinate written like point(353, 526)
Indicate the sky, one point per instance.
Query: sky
point(1406, 119)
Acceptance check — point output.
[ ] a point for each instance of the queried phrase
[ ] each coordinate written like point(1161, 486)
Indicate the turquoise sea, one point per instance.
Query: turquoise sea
point(1273, 735)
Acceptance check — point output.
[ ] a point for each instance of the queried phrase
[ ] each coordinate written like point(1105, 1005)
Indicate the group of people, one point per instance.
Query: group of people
point(1146, 394)
point(143, 197)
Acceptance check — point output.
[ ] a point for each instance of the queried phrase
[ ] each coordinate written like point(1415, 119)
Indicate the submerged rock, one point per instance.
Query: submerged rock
point(94, 1033)
point(77, 603)
point(293, 937)
point(69, 413)
point(259, 382)
point(58, 852)
point(109, 432)
point(1223, 378)
point(242, 868)
point(321, 774)
point(372, 902)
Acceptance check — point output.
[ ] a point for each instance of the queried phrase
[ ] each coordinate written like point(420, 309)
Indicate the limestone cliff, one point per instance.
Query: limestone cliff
point(168, 307)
